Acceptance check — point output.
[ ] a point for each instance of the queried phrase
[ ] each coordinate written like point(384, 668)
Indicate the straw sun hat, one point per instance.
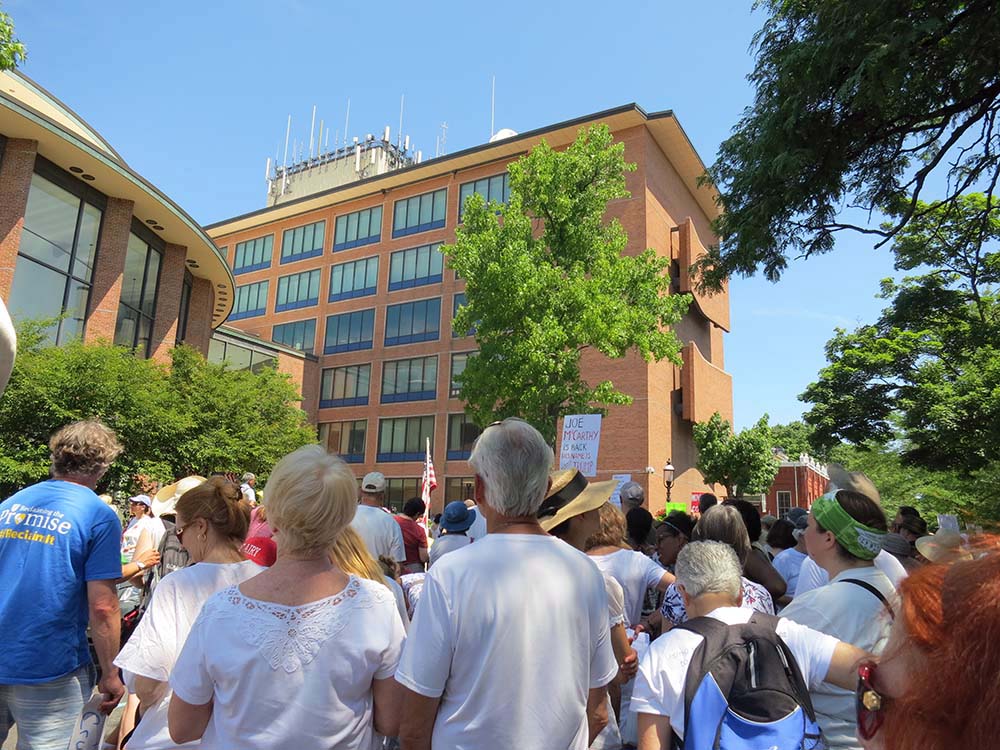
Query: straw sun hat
point(166, 499)
point(570, 495)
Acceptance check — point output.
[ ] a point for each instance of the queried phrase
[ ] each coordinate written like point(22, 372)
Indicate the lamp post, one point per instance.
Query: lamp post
point(668, 477)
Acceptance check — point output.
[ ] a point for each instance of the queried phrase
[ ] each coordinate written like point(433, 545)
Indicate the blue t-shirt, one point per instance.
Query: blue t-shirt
point(54, 537)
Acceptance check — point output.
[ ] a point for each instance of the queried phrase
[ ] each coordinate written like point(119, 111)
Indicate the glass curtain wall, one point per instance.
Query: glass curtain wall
point(137, 307)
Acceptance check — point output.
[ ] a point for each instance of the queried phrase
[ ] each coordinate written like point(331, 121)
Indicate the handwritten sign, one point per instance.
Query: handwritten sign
point(616, 496)
point(581, 438)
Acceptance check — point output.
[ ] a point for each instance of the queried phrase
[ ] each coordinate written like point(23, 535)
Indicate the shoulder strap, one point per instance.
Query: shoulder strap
point(716, 634)
point(874, 592)
point(788, 660)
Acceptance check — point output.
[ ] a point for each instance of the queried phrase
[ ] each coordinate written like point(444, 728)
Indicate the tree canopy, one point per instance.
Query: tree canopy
point(857, 104)
point(546, 279)
point(743, 463)
point(195, 417)
point(12, 50)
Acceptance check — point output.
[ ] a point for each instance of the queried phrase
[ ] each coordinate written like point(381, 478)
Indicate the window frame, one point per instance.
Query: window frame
point(505, 191)
point(371, 239)
point(315, 252)
point(255, 266)
point(255, 312)
point(350, 346)
point(347, 458)
point(366, 291)
point(400, 257)
point(778, 498)
point(401, 456)
point(409, 229)
point(301, 303)
point(153, 245)
point(397, 397)
point(305, 338)
point(453, 390)
point(460, 453)
point(358, 399)
point(411, 338)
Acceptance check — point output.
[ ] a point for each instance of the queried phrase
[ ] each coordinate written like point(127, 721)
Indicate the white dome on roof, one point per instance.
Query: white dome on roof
point(502, 134)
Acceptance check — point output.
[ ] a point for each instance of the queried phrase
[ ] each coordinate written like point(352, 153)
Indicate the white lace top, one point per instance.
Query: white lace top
point(290, 676)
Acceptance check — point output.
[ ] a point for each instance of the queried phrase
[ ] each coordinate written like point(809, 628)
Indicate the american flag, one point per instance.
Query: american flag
point(428, 483)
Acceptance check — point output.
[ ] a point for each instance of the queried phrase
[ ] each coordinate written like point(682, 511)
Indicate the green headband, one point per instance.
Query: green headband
point(861, 541)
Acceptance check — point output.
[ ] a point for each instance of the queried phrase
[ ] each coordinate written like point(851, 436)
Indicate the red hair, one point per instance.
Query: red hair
point(951, 615)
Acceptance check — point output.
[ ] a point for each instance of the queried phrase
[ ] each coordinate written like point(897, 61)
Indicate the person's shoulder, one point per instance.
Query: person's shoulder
point(373, 593)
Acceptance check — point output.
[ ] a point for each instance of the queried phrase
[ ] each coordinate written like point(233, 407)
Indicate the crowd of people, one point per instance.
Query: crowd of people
point(537, 614)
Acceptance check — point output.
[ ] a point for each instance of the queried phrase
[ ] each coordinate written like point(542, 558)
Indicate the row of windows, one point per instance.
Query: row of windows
point(408, 268)
point(399, 438)
point(402, 380)
point(420, 213)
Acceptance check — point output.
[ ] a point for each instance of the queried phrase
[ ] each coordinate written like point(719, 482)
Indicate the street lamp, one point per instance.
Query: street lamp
point(668, 477)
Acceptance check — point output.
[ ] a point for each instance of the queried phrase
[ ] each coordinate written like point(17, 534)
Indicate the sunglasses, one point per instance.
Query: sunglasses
point(868, 702)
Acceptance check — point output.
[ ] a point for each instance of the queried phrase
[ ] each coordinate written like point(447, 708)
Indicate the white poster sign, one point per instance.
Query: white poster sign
point(616, 497)
point(948, 522)
point(581, 438)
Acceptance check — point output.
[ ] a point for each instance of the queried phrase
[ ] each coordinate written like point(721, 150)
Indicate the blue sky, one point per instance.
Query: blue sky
point(195, 97)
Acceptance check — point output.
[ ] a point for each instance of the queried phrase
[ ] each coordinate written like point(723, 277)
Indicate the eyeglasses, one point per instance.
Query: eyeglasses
point(179, 531)
point(868, 702)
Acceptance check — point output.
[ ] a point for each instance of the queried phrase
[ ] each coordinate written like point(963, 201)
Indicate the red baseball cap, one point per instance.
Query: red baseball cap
point(261, 550)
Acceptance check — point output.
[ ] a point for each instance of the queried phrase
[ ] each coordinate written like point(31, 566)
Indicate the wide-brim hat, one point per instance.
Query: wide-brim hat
point(944, 546)
point(855, 481)
point(572, 495)
point(457, 517)
point(165, 500)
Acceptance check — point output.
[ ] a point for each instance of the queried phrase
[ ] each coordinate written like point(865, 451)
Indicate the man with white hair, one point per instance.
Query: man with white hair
point(376, 526)
point(708, 577)
point(509, 647)
point(247, 488)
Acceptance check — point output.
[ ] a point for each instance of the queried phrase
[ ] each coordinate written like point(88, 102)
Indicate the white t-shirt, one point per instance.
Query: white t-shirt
point(616, 602)
point(635, 572)
point(788, 562)
point(610, 737)
point(511, 633)
point(478, 528)
point(380, 531)
point(447, 543)
point(812, 576)
point(130, 537)
point(659, 686)
point(851, 614)
point(162, 631)
point(397, 592)
point(249, 493)
point(290, 676)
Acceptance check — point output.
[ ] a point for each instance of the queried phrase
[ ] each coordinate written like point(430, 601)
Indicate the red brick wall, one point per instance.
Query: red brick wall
point(199, 327)
point(105, 294)
point(803, 482)
point(15, 182)
point(168, 303)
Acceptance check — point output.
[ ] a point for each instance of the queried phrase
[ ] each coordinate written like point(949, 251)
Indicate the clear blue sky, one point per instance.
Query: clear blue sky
point(195, 96)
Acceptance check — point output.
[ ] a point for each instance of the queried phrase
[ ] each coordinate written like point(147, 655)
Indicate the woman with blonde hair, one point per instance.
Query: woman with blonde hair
point(303, 655)
point(352, 556)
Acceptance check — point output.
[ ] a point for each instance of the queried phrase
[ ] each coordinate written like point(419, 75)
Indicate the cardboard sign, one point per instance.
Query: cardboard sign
point(948, 522)
point(581, 438)
point(616, 497)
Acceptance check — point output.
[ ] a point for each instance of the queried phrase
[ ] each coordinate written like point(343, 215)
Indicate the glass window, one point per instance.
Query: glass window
point(405, 438)
point(409, 380)
point(411, 322)
point(251, 300)
point(416, 267)
point(253, 255)
point(399, 490)
point(345, 386)
point(359, 228)
point(297, 291)
point(457, 302)
point(462, 434)
point(346, 439)
point(349, 332)
point(457, 368)
point(495, 188)
point(299, 335)
point(459, 488)
point(419, 213)
point(259, 360)
point(355, 279)
point(55, 260)
point(216, 350)
point(784, 503)
point(302, 242)
point(137, 304)
point(182, 316)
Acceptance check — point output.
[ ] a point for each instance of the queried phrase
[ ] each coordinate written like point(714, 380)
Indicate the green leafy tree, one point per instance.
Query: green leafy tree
point(793, 440)
point(12, 51)
point(743, 463)
point(858, 104)
point(546, 280)
point(927, 372)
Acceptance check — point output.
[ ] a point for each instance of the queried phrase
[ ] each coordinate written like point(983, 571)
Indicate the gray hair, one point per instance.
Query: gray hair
point(248, 476)
point(513, 461)
point(709, 568)
point(723, 523)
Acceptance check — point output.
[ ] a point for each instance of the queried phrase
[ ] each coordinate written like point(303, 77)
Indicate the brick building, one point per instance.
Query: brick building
point(343, 263)
point(797, 485)
point(83, 235)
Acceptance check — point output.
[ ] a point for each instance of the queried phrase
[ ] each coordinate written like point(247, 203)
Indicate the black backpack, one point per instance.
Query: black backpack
point(744, 690)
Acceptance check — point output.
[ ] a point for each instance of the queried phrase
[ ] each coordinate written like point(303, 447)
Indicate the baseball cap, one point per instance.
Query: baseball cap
point(261, 550)
point(144, 499)
point(632, 491)
point(374, 481)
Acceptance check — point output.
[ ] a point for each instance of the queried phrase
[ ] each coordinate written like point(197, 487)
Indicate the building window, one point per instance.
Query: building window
point(405, 438)
point(137, 305)
point(253, 255)
point(419, 213)
point(297, 291)
point(346, 439)
point(299, 335)
point(457, 301)
point(784, 503)
point(350, 332)
point(251, 300)
point(459, 488)
point(187, 287)
point(457, 368)
point(359, 228)
point(409, 380)
point(496, 188)
point(462, 434)
point(411, 322)
point(398, 491)
point(55, 260)
point(345, 386)
point(237, 357)
point(358, 278)
point(302, 242)
point(417, 266)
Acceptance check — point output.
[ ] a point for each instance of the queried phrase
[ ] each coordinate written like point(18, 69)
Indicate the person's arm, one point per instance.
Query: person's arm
point(597, 712)
point(759, 570)
point(665, 580)
point(142, 546)
point(148, 558)
point(8, 346)
point(416, 721)
point(625, 655)
point(149, 691)
point(187, 722)
point(843, 671)
point(387, 699)
point(105, 629)
point(654, 731)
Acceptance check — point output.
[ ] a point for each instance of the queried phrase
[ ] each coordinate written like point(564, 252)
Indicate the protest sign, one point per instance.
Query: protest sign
point(581, 438)
point(616, 496)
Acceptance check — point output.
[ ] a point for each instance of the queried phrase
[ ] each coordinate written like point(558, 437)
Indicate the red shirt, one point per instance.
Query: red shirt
point(414, 538)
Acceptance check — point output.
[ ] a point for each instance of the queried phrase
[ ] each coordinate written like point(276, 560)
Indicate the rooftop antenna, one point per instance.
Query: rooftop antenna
point(493, 100)
point(336, 140)
point(347, 121)
point(312, 132)
point(444, 138)
point(319, 141)
point(399, 133)
point(284, 164)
